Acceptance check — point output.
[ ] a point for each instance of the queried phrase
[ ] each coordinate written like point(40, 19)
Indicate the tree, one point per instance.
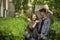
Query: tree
point(20, 4)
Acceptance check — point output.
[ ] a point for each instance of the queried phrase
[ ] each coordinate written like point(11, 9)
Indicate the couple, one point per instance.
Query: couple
point(38, 29)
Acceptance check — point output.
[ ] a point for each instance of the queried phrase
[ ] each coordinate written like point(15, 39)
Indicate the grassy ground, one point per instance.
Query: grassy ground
point(13, 29)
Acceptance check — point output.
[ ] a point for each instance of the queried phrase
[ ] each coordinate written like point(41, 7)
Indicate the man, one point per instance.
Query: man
point(49, 13)
point(44, 25)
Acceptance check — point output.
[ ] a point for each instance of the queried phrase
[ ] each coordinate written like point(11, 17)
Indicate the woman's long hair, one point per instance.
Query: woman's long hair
point(32, 15)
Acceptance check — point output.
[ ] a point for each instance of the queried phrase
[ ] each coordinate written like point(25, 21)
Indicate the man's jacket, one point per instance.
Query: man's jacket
point(45, 27)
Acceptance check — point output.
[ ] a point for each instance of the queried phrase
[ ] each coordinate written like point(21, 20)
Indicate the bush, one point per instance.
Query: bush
point(55, 30)
point(12, 28)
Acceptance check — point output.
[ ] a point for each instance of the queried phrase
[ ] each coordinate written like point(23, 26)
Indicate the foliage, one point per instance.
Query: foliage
point(12, 28)
point(20, 4)
point(54, 6)
point(54, 30)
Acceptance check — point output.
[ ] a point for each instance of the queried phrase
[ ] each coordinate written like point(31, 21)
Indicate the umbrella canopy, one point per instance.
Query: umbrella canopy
point(0, 2)
point(49, 13)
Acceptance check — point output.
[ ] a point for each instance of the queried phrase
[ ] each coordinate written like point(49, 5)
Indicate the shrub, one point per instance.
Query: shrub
point(12, 28)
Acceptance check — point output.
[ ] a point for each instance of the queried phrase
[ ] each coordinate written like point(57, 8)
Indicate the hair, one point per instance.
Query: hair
point(32, 15)
point(42, 10)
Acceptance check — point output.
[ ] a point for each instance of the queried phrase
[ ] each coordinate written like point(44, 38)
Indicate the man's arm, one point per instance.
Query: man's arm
point(47, 27)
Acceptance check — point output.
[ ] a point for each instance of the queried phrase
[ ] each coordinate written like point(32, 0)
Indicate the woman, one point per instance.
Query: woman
point(31, 32)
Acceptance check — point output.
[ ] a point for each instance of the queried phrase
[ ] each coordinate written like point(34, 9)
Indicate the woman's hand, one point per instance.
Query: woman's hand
point(36, 21)
point(29, 19)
